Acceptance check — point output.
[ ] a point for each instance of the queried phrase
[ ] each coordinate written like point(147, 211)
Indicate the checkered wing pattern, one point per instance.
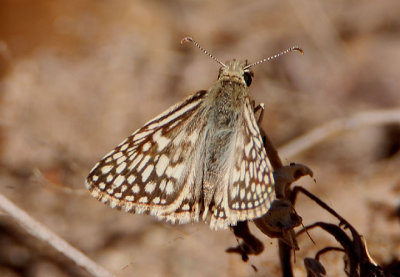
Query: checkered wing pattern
point(203, 156)
point(250, 190)
point(152, 170)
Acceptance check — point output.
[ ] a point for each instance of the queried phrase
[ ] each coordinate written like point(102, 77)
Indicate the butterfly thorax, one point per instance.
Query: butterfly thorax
point(229, 94)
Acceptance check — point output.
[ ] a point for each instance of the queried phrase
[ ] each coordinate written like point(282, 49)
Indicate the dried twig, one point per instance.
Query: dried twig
point(358, 260)
point(41, 232)
point(336, 126)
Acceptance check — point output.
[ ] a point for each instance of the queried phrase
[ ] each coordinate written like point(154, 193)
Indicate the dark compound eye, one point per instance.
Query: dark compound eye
point(247, 78)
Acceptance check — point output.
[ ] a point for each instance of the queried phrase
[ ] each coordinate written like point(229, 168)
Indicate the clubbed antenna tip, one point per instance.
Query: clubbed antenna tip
point(296, 48)
point(186, 39)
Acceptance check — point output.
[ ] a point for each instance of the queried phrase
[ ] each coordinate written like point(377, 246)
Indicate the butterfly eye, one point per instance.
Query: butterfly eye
point(247, 78)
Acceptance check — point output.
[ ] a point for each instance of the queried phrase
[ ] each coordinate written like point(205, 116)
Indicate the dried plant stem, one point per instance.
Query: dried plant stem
point(336, 126)
point(41, 232)
point(284, 249)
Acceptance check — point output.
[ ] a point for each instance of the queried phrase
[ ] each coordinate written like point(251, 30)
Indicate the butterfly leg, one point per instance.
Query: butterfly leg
point(260, 108)
point(253, 104)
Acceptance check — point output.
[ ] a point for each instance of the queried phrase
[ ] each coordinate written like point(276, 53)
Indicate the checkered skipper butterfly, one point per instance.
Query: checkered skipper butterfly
point(205, 155)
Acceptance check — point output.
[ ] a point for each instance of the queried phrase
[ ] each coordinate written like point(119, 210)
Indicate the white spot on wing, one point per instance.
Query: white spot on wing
point(257, 142)
point(131, 179)
point(156, 200)
point(143, 162)
point(123, 148)
point(260, 175)
point(120, 168)
point(105, 169)
point(169, 172)
point(258, 189)
point(136, 161)
point(248, 196)
point(147, 172)
point(173, 124)
point(135, 189)
point(143, 200)
point(113, 204)
point(266, 179)
point(162, 165)
point(118, 181)
point(141, 135)
point(242, 193)
point(185, 207)
point(146, 146)
point(150, 186)
point(130, 198)
point(169, 189)
point(117, 155)
point(160, 140)
point(163, 184)
point(178, 169)
point(251, 169)
point(253, 153)
point(121, 159)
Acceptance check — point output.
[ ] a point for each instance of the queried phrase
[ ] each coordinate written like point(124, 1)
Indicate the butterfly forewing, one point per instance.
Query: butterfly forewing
point(151, 171)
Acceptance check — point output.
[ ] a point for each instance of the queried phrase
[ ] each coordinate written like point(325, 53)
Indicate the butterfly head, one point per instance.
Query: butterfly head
point(236, 71)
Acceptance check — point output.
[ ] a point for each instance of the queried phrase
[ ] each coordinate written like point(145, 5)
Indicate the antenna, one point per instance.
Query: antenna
point(189, 39)
point(293, 48)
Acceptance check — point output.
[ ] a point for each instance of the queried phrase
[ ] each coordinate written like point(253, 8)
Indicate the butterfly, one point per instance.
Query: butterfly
point(202, 158)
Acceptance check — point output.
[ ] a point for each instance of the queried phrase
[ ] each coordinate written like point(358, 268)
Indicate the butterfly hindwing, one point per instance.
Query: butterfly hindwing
point(250, 189)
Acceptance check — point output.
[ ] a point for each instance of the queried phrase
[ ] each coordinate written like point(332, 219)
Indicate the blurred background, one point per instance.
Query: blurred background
point(77, 77)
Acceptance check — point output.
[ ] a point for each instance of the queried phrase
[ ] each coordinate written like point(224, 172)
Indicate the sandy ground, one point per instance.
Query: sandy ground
point(77, 77)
